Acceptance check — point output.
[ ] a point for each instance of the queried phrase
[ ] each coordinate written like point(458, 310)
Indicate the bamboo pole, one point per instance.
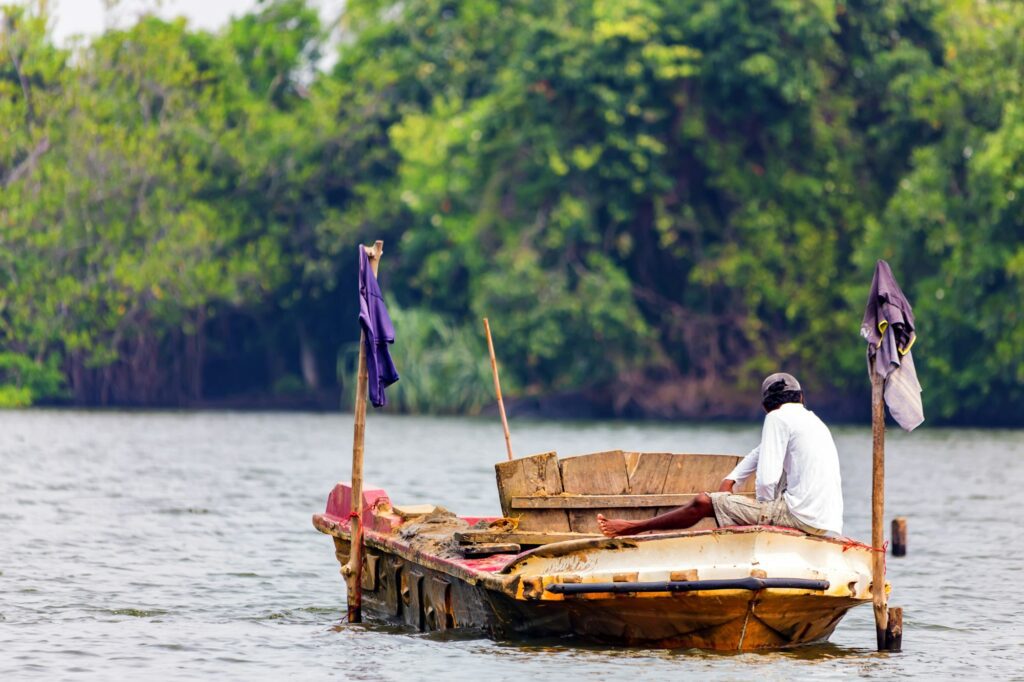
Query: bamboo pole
point(878, 508)
point(353, 570)
point(497, 389)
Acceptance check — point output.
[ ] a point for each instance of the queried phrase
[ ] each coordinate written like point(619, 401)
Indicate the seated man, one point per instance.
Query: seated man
point(797, 483)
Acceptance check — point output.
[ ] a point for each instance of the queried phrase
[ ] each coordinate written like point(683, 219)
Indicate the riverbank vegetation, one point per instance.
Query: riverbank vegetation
point(655, 202)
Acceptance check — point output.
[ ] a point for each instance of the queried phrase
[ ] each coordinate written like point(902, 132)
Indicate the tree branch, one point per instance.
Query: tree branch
point(30, 111)
point(27, 163)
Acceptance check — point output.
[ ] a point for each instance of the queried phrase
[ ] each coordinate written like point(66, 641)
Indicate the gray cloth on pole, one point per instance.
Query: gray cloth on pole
point(888, 327)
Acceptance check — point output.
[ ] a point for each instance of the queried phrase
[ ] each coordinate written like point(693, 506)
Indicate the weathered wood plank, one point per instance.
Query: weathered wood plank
point(514, 479)
point(648, 473)
point(698, 473)
point(631, 461)
point(599, 473)
point(408, 511)
point(518, 537)
point(534, 475)
point(604, 501)
point(489, 548)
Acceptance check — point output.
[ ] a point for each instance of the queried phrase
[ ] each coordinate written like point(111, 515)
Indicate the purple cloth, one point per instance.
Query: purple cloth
point(378, 332)
point(888, 327)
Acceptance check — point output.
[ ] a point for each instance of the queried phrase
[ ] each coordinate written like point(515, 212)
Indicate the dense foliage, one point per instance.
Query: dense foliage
point(656, 202)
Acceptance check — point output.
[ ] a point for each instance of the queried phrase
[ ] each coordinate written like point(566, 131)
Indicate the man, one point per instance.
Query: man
point(797, 467)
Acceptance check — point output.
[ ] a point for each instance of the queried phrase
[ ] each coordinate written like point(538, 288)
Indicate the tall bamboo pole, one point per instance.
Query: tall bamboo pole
point(878, 507)
point(353, 570)
point(497, 389)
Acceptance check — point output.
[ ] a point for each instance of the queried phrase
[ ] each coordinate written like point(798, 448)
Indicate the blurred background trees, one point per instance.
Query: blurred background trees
point(656, 203)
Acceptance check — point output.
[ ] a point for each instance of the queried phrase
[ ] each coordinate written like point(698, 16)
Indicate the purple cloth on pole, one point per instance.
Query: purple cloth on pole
point(888, 327)
point(378, 331)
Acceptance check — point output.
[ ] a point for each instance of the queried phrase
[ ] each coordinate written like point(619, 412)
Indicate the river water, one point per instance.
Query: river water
point(179, 546)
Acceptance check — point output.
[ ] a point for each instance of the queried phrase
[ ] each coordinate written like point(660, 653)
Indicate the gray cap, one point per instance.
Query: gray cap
point(779, 382)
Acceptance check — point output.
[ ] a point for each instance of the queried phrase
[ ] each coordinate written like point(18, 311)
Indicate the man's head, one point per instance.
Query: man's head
point(778, 389)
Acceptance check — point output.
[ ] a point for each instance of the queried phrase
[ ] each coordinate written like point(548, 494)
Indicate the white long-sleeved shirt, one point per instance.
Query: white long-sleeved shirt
point(795, 442)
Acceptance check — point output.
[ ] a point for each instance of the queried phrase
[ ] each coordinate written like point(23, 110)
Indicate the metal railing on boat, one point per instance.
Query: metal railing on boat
point(690, 585)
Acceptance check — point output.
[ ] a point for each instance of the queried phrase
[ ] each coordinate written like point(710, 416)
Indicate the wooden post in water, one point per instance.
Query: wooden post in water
point(894, 630)
point(878, 507)
point(497, 389)
point(353, 570)
point(899, 536)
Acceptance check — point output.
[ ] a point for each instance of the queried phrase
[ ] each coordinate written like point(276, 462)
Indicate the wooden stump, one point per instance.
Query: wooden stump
point(894, 630)
point(899, 536)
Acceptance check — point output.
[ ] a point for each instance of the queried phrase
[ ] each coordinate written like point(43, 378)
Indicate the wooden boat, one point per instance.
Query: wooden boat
point(541, 569)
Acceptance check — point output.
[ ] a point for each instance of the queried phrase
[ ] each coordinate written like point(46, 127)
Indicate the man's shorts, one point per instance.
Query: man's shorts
point(740, 510)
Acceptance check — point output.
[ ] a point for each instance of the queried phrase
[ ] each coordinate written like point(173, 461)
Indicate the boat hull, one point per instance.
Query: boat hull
point(737, 621)
point(400, 587)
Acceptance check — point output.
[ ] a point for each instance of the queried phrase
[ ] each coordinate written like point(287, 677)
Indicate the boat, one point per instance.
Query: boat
point(542, 569)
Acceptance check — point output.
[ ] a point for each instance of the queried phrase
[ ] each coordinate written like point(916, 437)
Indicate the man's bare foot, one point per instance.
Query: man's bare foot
point(614, 527)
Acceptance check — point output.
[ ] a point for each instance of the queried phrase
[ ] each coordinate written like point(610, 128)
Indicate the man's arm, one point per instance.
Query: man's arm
point(741, 472)
point(774, 440)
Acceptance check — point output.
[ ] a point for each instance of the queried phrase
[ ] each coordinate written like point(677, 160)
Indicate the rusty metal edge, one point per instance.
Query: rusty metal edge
point(495, 581)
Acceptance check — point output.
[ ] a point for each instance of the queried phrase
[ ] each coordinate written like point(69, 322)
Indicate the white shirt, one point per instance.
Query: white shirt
point(796, 443)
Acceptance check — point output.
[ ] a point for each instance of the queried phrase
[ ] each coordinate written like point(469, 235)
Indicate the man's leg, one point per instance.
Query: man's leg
point(677, 519)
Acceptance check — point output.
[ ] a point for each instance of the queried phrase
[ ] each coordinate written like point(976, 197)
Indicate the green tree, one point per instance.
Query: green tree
point(955, 225)
point(655, 202)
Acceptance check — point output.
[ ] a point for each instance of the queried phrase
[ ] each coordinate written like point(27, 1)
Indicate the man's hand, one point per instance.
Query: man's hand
point(726, 486)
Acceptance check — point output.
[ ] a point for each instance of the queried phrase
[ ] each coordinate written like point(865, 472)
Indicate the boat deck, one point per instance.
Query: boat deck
point(381, 530)
point(434, 545)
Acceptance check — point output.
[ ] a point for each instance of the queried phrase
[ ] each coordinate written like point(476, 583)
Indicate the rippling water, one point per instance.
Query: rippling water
point(178, 545)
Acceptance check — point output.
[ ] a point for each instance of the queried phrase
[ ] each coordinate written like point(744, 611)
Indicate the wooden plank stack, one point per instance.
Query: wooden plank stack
point(549, 495)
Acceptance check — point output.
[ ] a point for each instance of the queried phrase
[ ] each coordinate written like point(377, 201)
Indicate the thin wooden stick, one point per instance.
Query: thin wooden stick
point(353, 570)
point(878, 508)
point(497, 389)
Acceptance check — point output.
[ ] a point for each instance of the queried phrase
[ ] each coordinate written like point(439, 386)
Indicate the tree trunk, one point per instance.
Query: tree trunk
point(273, 360)
point(307, 358)
point(195, 352)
